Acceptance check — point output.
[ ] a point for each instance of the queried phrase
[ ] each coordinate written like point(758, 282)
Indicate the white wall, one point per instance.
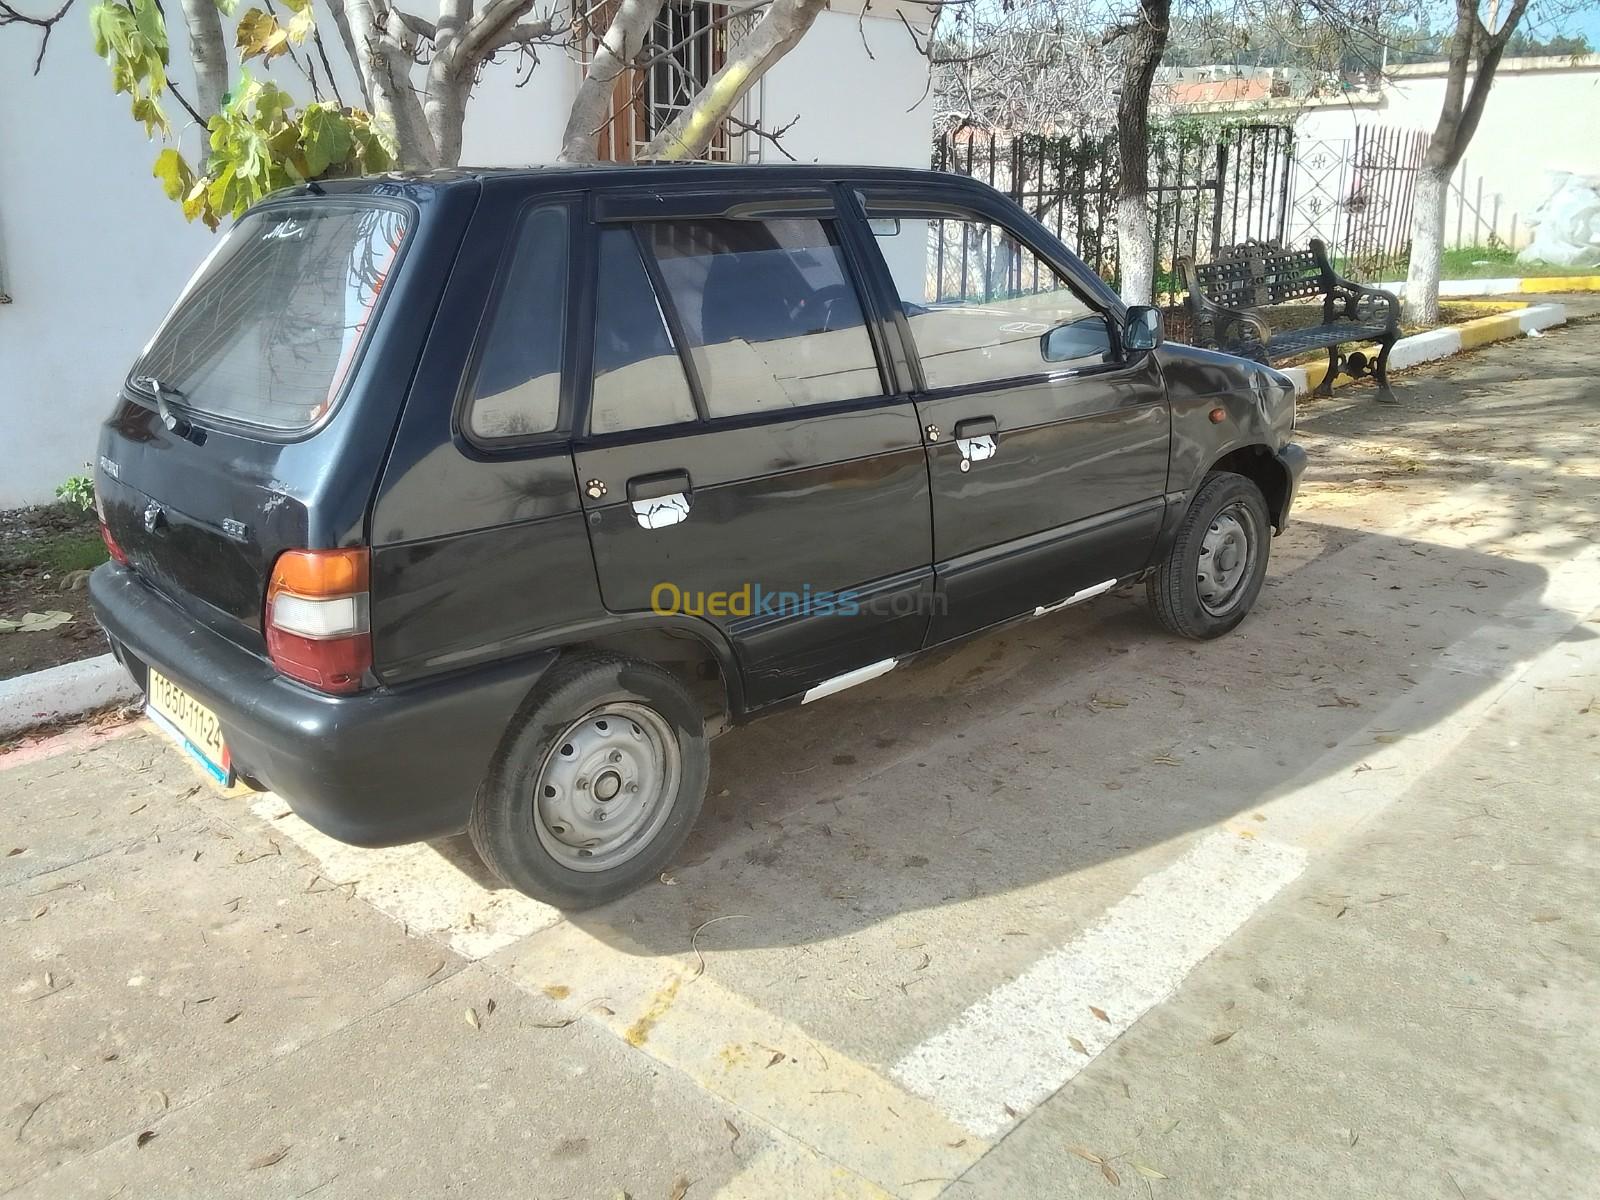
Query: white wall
point(853, 108)
point(1542, 117)
point(92, 252)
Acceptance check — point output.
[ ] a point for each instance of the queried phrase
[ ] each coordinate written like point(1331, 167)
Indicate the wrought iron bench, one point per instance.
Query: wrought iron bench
point(1226, 294)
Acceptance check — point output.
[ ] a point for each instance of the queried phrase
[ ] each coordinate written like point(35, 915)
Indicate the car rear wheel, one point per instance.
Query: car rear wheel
point(596, 785)
point(1213, 573)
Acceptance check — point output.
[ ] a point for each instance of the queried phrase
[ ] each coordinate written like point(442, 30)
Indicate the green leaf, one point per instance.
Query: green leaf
point(298, 6)
point(226, 7)
point(147, 111)
point(176, 177)
point(152, 26)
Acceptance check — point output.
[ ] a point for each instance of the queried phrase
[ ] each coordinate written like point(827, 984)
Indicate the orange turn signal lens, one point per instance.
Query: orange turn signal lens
point(321, 573)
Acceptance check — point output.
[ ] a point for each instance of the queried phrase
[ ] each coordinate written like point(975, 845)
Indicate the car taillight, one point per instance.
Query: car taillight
point(105, 531)
point(316, 618)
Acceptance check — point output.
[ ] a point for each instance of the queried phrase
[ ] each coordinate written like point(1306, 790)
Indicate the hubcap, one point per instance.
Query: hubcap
point(1227, 554)
point(606, 787)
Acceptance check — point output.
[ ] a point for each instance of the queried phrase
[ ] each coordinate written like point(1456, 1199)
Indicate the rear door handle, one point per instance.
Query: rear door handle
point(661, 499)
point(975, 438)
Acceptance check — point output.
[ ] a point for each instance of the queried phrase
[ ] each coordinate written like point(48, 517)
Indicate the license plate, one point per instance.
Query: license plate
point(191, 724)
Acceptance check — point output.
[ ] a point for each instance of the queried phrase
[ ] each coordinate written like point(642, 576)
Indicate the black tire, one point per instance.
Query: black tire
point(511, 837)
point(1175, 586)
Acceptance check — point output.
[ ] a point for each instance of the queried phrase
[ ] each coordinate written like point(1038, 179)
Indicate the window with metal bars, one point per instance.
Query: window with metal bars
point(688, 44)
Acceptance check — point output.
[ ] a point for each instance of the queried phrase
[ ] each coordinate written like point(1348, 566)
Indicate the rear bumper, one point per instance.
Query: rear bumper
point(379, 768)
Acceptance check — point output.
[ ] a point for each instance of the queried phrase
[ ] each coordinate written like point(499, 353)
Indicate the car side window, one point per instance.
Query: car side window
point(768, 310)
point(638, 376)
point(981, 305)
point(517, 390)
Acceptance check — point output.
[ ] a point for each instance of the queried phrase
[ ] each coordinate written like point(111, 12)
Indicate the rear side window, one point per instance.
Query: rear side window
point(638, 376)
point(517, 390)
point(769, 313)
point(268, 329)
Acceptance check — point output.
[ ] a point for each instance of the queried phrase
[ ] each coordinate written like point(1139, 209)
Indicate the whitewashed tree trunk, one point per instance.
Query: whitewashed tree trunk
point(209, 54)
point(1427, 245)
point(1143, 43)
point(1136, 251)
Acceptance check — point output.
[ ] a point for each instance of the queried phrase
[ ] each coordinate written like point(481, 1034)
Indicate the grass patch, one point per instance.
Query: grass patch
point(1496, 262)
point(56, 539)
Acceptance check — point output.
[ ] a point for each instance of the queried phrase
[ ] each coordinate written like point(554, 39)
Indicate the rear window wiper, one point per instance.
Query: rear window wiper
point(161, 390)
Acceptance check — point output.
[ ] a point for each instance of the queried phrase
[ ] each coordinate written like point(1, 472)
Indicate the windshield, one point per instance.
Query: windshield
point(267, 330)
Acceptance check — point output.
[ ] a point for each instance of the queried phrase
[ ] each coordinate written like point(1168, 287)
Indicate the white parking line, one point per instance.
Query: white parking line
point(1026, 1038)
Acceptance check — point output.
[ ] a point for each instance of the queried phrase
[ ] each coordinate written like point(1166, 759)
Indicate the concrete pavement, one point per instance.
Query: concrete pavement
point(1307, 911)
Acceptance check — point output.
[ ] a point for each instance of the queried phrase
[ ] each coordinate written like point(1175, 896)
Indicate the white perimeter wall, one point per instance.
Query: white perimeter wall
point(1543, 116)
point(92, 252)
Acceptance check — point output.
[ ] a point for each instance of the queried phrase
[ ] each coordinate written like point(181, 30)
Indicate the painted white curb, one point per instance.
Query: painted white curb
point(65, 691)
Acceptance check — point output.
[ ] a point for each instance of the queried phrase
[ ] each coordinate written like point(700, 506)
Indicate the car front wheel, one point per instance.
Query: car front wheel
point(1213, 573)
point(598, 782)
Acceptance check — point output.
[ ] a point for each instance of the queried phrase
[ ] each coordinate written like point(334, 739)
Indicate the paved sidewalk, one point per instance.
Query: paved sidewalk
point(1074, 908)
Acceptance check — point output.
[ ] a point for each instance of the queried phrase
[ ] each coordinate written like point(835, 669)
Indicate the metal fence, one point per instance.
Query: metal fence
point(1206, 190)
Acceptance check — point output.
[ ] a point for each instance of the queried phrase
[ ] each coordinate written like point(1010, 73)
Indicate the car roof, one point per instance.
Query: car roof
point(607, 176)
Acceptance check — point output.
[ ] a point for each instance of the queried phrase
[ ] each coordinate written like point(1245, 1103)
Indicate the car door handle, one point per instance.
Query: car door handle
point(661, 499)
point(974, 427)
point(975, 438)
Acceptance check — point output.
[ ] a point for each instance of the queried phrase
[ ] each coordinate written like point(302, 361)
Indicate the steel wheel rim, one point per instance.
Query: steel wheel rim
point(606, 786)
point(1227, 559)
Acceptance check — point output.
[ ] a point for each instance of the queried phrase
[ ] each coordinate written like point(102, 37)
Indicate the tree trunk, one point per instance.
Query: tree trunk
point(386, 70)
point(616, 51)
point(209, 53)
point(341, 21)
point(1458, 121)
point(1144, 44)
point(1428, 197)
point(449, 80)
point(775, 34)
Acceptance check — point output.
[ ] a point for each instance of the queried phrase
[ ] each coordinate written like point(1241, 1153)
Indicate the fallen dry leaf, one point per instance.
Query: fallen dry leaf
point(266, 1160)
point(145, 1138)
point(1110, 1174)
point(1147, 1172)
point(680, 1188)
point(488, 1007)
point(1077, 1045)
point(777, 1057)
point(1086, 1155)
point(472, 1017)
point(1101, 1013)
point(1218, 1038)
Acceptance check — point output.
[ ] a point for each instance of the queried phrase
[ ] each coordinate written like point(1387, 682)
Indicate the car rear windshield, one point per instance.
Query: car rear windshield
point(268, 329)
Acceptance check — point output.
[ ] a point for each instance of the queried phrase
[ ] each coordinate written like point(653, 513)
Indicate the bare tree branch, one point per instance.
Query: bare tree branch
point(10, 16)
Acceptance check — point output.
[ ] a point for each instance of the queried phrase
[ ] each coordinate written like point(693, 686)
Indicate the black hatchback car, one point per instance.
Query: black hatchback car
point(484, 499)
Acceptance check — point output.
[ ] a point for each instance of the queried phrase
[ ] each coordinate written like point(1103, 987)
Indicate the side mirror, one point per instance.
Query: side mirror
point(1143, 328)
point(1087, 338)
